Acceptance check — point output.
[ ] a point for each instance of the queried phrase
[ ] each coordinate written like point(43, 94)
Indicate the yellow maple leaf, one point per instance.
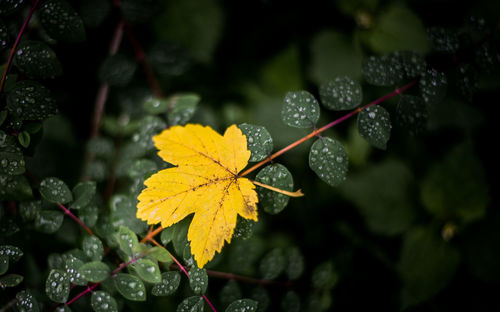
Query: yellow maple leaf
point(205, 182)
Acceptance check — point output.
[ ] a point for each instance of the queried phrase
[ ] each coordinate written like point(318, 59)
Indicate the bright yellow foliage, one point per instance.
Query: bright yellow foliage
point(205, 182)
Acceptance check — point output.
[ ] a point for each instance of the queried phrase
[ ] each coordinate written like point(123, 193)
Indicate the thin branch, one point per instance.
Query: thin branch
point(140, 56)
point(328, 126)
point(16, 43)
point(72, 216)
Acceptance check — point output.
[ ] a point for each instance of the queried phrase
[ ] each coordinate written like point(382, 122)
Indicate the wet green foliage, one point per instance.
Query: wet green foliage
point(399, 208)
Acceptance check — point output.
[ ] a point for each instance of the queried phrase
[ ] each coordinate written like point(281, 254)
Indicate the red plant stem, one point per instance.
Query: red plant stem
point(328, 126)
point(102, 93)
point(140, 56)
point(69, 213)
point(183, 269)
point(16, 43)
point(115, 271)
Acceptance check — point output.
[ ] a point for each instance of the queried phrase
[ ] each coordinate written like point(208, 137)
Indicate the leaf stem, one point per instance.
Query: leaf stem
point(328, 126)
point(72, 216)
point(297, 193)
point(16, 43)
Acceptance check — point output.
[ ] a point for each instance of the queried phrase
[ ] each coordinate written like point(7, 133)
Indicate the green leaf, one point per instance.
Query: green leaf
point(127, 240)
point(15, 188)
point(456, 187)
point(12, 159)
point(10, 280)
point(433, 86)
point(24, 139)
point(244, 228)
point(295, 263)
point(444, 40)
point(8, 227)
point(57, 286)
point(29, 100)
point(381, 71)
point(26, 302)
point(179, 238)
point(148, 126)
point(9, 6)
point(259, 141)
point(183, 108)
point(169, 283)
point(89, 215)
point(272, 264)
point(148, 270)
point(467, 78)
point(412, 63)
point(155, 106)
point(83, 193)
point(198, 280)
point(412, 114)
point(161, 254)
point(347, 60)
point(130, 287)
point(95, 271)
point(374, 125)
point(101, 148)
point(291, 302)
point(242, 305)
point(4, 264)
point(169, 59)
point(341, 93)
point(324, 276)
point(329, 160)
point(92, 247)
point(123, 210)
point(300, 110)
point(230, 292)
point(55, 191)
point(167, 235)
point(117, 70)
point(62, 308)
point(191, 304)
point(398, 29)
point(36, 60)
point(426, 266)
point(61, 21)
point(49, 221)
point(71, 266)
point(278, 176)
point(102, 301)
point(142, 169)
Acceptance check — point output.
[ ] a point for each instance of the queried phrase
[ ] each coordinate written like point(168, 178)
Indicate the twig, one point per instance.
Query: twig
point(328, 126)
point(72, 216)
point(16, 43)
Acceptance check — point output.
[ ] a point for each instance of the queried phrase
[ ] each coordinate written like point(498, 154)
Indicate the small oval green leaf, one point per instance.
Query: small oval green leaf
point(246, 305)
point(198, 280)
point(55, 191)
point(10, 280)
point(127, 240)
point(26, 302)
point(57, 286)
point(61, 21)
point(191, 304)
point(93, 248)
point(49, 221)
point(272, 264)
point(29, 100)
point(341, 93)
point(278, 176)
point(95, 271)
point(117, 70)
point(130, 287)
point(83, 193)
point(148, 270)
point(328, 159)
point(259, 141)
point(300, 110)
point(374, 125)
point(169, 283)
point(37, 61)
point(183, 108)
point(433, 85)
point(412, 114)
point(101, 301)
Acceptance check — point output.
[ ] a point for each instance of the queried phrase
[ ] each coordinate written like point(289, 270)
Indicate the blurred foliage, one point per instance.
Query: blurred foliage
point(412, 228)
